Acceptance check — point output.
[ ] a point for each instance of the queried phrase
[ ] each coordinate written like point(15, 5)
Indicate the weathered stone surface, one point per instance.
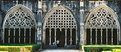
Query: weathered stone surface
point(62, 50)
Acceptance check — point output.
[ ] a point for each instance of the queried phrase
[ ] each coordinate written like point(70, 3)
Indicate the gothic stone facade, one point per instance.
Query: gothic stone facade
point(58, 23)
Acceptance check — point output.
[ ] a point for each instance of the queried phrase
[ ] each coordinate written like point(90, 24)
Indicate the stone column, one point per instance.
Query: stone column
point(90, 35)
point(3, 35)
point(96, 35)
point(55, 34)
point(101, 35)
point(29, 35)
point(9, 35)
point(14, 34)
point(50, 36)
point(71, 36)
point(65, 36)
point(24, 35)
point(112, 36)
point(19, 35)
point(106, 36)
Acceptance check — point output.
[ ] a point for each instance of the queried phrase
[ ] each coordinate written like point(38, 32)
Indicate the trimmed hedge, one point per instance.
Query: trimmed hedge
point(19, 47)
point(104, 48)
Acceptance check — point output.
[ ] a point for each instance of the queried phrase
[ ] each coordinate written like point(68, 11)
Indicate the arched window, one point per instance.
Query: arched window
point(102, 26)
point(19, 25)
point(60, 25)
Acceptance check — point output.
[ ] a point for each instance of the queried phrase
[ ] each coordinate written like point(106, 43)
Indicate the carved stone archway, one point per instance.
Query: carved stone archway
point(102, 26)
point(19, 25)
point(59, 25)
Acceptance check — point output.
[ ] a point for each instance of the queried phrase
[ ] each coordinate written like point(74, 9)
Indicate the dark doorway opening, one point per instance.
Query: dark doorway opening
point(60, 37)
point(64, 36)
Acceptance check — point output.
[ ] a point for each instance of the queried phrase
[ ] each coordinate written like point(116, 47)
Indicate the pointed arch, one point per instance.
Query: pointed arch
point(102, 23)
point(59, 10)
point(60, 19)
point(19, 12)
point(19, 25)
point(102, 12)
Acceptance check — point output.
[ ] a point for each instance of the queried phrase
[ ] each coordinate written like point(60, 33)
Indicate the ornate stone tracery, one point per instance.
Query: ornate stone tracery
point(60, 17)
point(100, 19)
point(19, 25)
point(60, 22)
point(19, 18)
